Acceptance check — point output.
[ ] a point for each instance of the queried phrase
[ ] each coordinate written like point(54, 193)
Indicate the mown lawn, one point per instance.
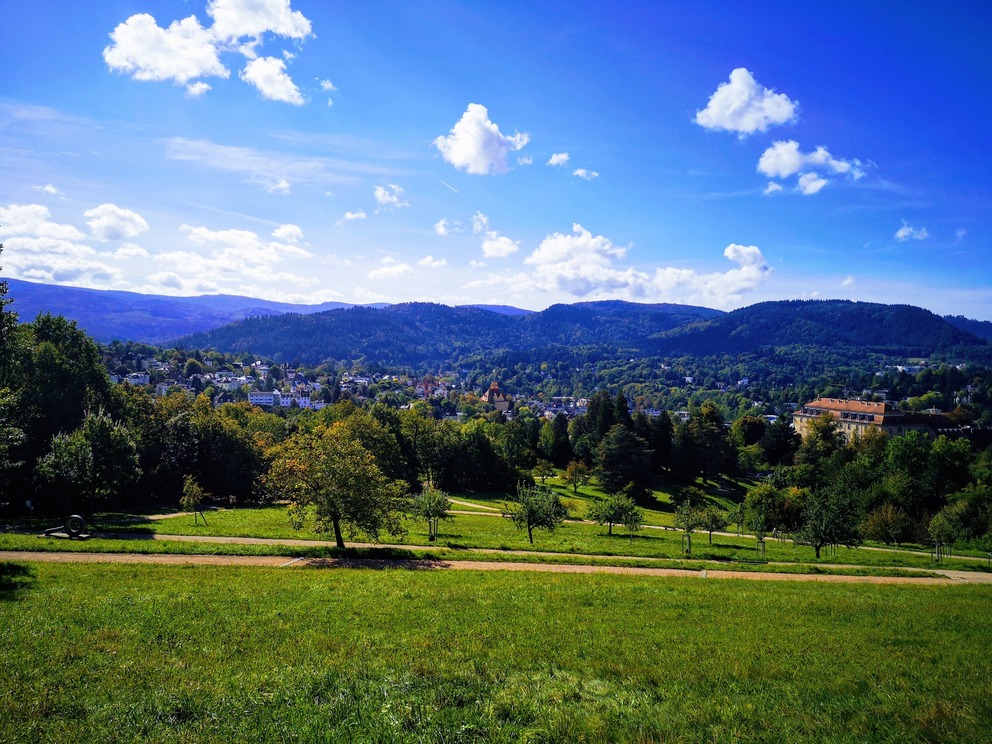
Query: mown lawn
point(126, 653)
point(493, 532)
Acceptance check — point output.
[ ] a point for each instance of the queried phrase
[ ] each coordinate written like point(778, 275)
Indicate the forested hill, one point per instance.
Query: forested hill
point(427, 334)
point(418, 334)
point(832, 324)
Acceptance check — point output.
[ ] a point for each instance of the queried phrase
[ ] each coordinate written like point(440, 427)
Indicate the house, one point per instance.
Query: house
point(854, 417)
point(496, 397)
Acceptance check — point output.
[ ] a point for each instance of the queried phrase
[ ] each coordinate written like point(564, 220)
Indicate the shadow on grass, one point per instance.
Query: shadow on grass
point(14, 578)
point(378, 559)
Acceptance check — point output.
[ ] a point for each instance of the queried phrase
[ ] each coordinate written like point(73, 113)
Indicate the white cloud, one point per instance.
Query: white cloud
point(48, 189)
point(784, 159)
point(432, 263)
point(475, 264)
point(185, 50)
point(390, 269)
point(131, 250)
point(848, 281)
point(811, 183)
point(34, 220)
point(389, 197)
point(960, 233)
point(195, 90)
point(908, 232)
point(744, 106)
point(326, 85)
point(525, 160)
point(288, 233)
point(110, 222)
point(279, 186)
point(352, 216)
point(444, 227)
point(182, 52)
point(234, 19)
point(772, 187)
point(586, 175)
point(476, 145)
point(495, 245)
point(268, 74)
point(480, 223)
point(558, 158)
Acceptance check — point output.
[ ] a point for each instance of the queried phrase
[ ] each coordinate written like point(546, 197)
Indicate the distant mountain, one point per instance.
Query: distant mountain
point(128, 316)
point(980, 328)
point(502, 309)
point(418, 334)
point(423, 333)
point(832, 324)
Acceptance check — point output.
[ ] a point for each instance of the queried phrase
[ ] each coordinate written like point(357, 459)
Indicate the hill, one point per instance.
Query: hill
point(419, 333)
point(864, 327)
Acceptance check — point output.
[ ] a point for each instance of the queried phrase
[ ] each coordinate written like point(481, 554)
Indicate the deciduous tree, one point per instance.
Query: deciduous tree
point(535, 509)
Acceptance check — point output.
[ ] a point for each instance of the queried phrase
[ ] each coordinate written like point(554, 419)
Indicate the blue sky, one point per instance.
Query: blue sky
point(514, 153)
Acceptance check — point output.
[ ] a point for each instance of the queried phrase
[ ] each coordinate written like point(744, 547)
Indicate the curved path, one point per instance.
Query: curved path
point(949, 577)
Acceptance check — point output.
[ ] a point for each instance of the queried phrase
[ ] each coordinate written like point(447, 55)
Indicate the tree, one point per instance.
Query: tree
point(829, 518)
point(577, 474)
point(887, 524)
point(192, 498)
point(713, 520)
point(617, 509)
point(535, 509)
point(96, 462)
point(706, 432)
point(329, 470)
point(688, 519)
point(431, 504)
point(544, 470)
point(945, 528)
point(622, 458)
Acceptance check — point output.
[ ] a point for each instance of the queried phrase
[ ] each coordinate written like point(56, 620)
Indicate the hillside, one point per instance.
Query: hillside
point(865, 327)
point(424, 333)
point(419, 333)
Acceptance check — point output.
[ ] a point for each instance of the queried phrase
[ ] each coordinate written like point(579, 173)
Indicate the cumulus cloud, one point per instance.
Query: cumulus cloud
point(480, 223)
point(476, 145)
point(908, 232)
point(496, 245)
point(185, 50)
point(586, 175)
point(784, 159)
point(288, 233)
point(110, 222)
point(584, 265)
point(772, 187)
point(34, 220)
point(431, 262)
point(390, 269)
point(444, 227)
point(960, 233)
point(268, 74)
point(48, 189)
point(352, 216)
point(195, 90)
point(848, 281)
point(558, 158)
point(326, 85)
point(476, 264)
point(811, 183)
point(131, 250)
point(389, 197)
point(745, 106)
point(525, 160)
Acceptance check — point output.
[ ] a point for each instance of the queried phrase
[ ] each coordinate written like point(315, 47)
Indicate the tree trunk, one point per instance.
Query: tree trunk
point(711, 537)
point(337, 533)
point(530, 534)
point(817, 549)
point(610, 532)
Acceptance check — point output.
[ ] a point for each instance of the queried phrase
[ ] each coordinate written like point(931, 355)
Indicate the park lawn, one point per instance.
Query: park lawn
point(125, 653)
point(468, 531)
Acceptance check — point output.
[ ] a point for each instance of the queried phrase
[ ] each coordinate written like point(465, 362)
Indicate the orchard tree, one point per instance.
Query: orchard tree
point(829, 518)
point(714, 519)
point(327, 469)
point(432, 505)
point(544, 470)
point(617, 509)
point(535, 509)
point(688, 519)
point(577, 474)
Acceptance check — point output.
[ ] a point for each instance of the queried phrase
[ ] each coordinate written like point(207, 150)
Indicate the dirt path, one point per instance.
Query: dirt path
point(951, 577)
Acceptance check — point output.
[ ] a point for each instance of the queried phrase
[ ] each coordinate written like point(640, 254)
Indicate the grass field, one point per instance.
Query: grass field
point(468, 532)
point(124, 653)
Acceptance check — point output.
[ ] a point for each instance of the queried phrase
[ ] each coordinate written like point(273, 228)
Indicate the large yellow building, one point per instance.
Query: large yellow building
point(854, 417)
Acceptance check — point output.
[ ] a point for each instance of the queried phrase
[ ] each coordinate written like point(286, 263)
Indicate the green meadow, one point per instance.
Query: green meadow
point(156, 653)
